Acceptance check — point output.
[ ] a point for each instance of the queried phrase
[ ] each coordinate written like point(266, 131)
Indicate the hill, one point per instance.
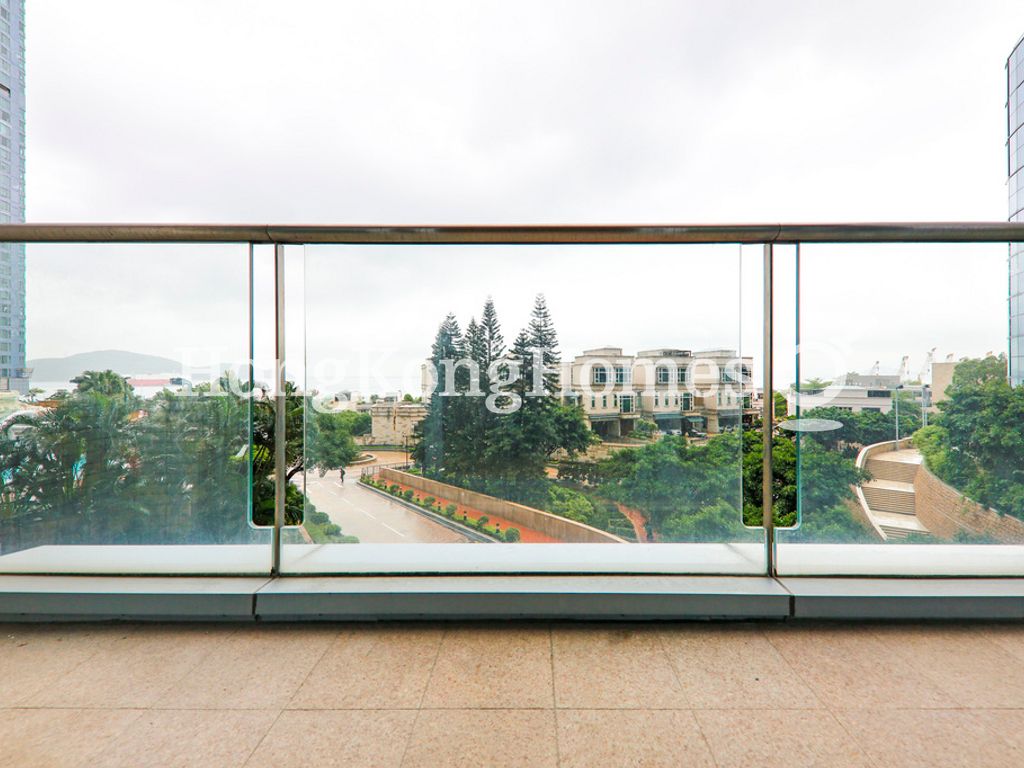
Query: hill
point(125, 363)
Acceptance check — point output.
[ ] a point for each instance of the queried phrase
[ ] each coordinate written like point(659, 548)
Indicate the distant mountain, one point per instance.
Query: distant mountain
point(61, 369)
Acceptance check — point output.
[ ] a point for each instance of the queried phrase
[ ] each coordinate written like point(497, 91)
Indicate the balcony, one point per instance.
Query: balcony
point(247, 460)
point(229, 507)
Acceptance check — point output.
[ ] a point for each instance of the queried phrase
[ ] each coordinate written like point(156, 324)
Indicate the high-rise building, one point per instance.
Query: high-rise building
point(1015, 145)
point(13, 374)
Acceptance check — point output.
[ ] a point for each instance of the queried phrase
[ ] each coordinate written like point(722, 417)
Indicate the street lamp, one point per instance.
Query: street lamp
point(896, 398)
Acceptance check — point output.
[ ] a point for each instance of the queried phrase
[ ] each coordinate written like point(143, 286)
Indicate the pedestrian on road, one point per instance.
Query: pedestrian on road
point(341, 475)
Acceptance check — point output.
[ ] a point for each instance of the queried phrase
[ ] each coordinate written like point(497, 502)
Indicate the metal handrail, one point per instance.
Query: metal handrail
point(514, 234)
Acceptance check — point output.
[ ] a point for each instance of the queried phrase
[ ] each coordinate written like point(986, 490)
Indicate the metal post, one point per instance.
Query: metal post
point(768, 414)
point(280, 406)
point(251, 392)
point(798, 435)
point(896, 394)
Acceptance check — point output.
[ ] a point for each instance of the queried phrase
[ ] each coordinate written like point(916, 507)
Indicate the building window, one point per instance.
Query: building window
point(662, 375)
point(600, 375)
point(623, 375)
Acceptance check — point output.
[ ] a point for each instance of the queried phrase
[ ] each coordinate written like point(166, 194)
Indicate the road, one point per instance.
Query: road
point(374, 518)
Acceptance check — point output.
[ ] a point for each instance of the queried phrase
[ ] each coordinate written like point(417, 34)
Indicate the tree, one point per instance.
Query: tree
point(329, 444)
point(476, 344)
point(707, 492)
point(541, 336)
point(104, 466)
point(104, 382)
point(431, 433)
point(976, 443)
point(494, 342)
point(780, 405)
point(814, 384)
point(464, 441)
point(644, 429)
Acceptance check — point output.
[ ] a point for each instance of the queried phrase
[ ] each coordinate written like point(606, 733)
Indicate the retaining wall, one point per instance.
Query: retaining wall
point(945, 511)
point(554, 526)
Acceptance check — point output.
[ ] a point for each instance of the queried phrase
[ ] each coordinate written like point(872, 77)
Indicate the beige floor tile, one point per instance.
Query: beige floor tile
point(372, 668)
point(495, 738)
point(795, 738)
point(133, 668)
point(630, 738)
point(725, 667)
point(187, 739)
point(34, 657)
point(961, 661)
point(254, 668)
point(335, 739)
point(1009, 637)
point(1008, 723)
point(598, 668)
point(500, 667)
point(915, 738)
point(55, 738)
point(849, 666)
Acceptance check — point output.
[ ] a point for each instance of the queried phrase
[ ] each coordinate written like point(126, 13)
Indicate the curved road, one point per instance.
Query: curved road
point(374, 518)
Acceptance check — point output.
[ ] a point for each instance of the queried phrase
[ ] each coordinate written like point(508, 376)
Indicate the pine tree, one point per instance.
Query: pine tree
point(495, 342)
point(448, 342)
point(431, 435)
point(542, 336)
point(476, 344)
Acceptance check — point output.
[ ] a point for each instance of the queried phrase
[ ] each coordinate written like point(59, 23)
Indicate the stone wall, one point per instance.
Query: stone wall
point(393, 424)
point(945, 511)
point(554, 526)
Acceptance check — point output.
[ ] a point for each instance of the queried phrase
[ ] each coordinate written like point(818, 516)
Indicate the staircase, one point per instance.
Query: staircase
point(889, 495)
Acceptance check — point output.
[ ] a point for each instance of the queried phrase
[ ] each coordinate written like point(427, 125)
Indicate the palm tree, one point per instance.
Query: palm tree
point(105, 383)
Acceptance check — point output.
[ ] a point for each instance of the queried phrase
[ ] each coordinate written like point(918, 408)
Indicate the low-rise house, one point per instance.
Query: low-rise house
point(601, 382)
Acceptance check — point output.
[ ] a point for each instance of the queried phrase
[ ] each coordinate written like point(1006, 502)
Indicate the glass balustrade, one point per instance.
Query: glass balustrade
point(584, 408)
point(566, 406)
point(900, 452)
point(126, 447)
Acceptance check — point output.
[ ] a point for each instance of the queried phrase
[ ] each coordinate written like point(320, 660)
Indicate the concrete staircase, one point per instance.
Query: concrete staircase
point(890, 492)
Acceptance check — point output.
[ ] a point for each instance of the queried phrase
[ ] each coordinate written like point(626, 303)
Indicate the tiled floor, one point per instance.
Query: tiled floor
point(532, 695)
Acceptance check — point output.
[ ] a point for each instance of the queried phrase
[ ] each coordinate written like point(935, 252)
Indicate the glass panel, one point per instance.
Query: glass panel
point(466, 395)
point(910, 457)
point(125, 436)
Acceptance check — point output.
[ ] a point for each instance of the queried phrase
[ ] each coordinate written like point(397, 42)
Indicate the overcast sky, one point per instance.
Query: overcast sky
point(496, 112)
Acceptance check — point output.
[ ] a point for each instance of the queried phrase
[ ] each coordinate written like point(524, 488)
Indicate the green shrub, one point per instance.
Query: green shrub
point(482, 521)
point(408, 494)
point(332, 529)
point(429, 501)
point(570, 504)
point(512, 535)
point(393, 489)
point(320, 518)
point(450, 510)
